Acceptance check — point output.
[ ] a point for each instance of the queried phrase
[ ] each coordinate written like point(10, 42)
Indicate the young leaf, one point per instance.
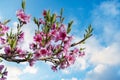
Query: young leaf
point(23, 4)
point(61, 12)
point(14, 43)
point(53, 19)
point(6, 21)
point(69, 26)
point(88, 32)
point(35, 20)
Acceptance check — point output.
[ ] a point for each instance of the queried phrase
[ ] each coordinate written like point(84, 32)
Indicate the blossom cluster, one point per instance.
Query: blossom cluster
point(51, 42)
point(22, 16)
point(3, 72)
point(3, 30)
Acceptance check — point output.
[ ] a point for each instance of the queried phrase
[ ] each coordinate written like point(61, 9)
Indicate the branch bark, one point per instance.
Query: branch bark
point(74, 44)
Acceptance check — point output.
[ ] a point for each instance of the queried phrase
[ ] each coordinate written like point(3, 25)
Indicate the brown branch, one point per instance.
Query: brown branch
point(13, 59)
point(74, 44)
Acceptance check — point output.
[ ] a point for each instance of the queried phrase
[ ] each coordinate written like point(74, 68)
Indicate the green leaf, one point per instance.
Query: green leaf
point(53, 19)
point(14, 43)
point(23, 4)
point(62, 19)
point(61, 12)
point(82, 49)
point(48, 17)
point(46, 29)
point(10, 33)
point(35, 20)
point(1, 34)
point(6, 21)
point(69, 26)
point(88, 32)
point(29, 56)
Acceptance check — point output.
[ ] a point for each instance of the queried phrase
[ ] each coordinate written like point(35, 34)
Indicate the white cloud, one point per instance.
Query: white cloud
point(15, 24)
point(13, 73)
point(105, 73)
point(99, 68)
point(28, 30)
point(110, 8)
point(108, 29)
point(109, 55)
point(0, 17)
point(102, 49)
point(66, 71)
point(73, 78)
point(105, 56)
point(31, 70)
point(80, 64)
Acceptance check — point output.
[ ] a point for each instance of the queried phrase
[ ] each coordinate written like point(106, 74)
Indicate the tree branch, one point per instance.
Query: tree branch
point(13, 59)
point(74, 44)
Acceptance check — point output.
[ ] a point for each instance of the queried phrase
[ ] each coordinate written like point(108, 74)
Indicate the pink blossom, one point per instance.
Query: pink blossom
point(63, 65)
point(41, 21)
point(66, 46)
point(3, 29)
point(62, 28)
point(1, 67)
point(38, 38)
point(82, 54)
point(31, 62)
point(70, 59)
point(22, 16)
point(44, 13)
point(75, 51)
point(5, 73)
point(54, 68)
point(7, 50)
point(62, 35)
point(33, 46)
point(54, 34)
point(21, 36)
point(3, 78)
point(67, 43)
point(2, 40)
point(43, 52)
point(21, 52)
point(37, 54)
point(53, 26)
point(49, 50)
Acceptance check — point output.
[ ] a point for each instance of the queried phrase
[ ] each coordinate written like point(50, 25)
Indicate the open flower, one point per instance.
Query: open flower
point(44, 13)
point(3, 29)
point(2, 40)
point(21, 37)
point(22, 16)
point(1, 67)
point(3, 73)
point(54, 68)
point(37, 38)
point(43, 52)
point(7, 50)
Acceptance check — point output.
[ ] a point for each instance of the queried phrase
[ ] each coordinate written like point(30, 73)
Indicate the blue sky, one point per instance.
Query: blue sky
point(101, 61)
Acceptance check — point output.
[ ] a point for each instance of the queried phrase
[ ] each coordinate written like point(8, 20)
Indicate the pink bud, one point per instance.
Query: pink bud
point(44, 13)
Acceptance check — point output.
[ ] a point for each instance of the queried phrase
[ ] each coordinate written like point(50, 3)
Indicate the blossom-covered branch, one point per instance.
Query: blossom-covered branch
point(51, 41)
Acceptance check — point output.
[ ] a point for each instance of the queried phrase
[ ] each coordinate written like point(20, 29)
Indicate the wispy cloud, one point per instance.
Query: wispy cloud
point(102, 50)
point(105, 59)
point(30, 70)
point(14, 73)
